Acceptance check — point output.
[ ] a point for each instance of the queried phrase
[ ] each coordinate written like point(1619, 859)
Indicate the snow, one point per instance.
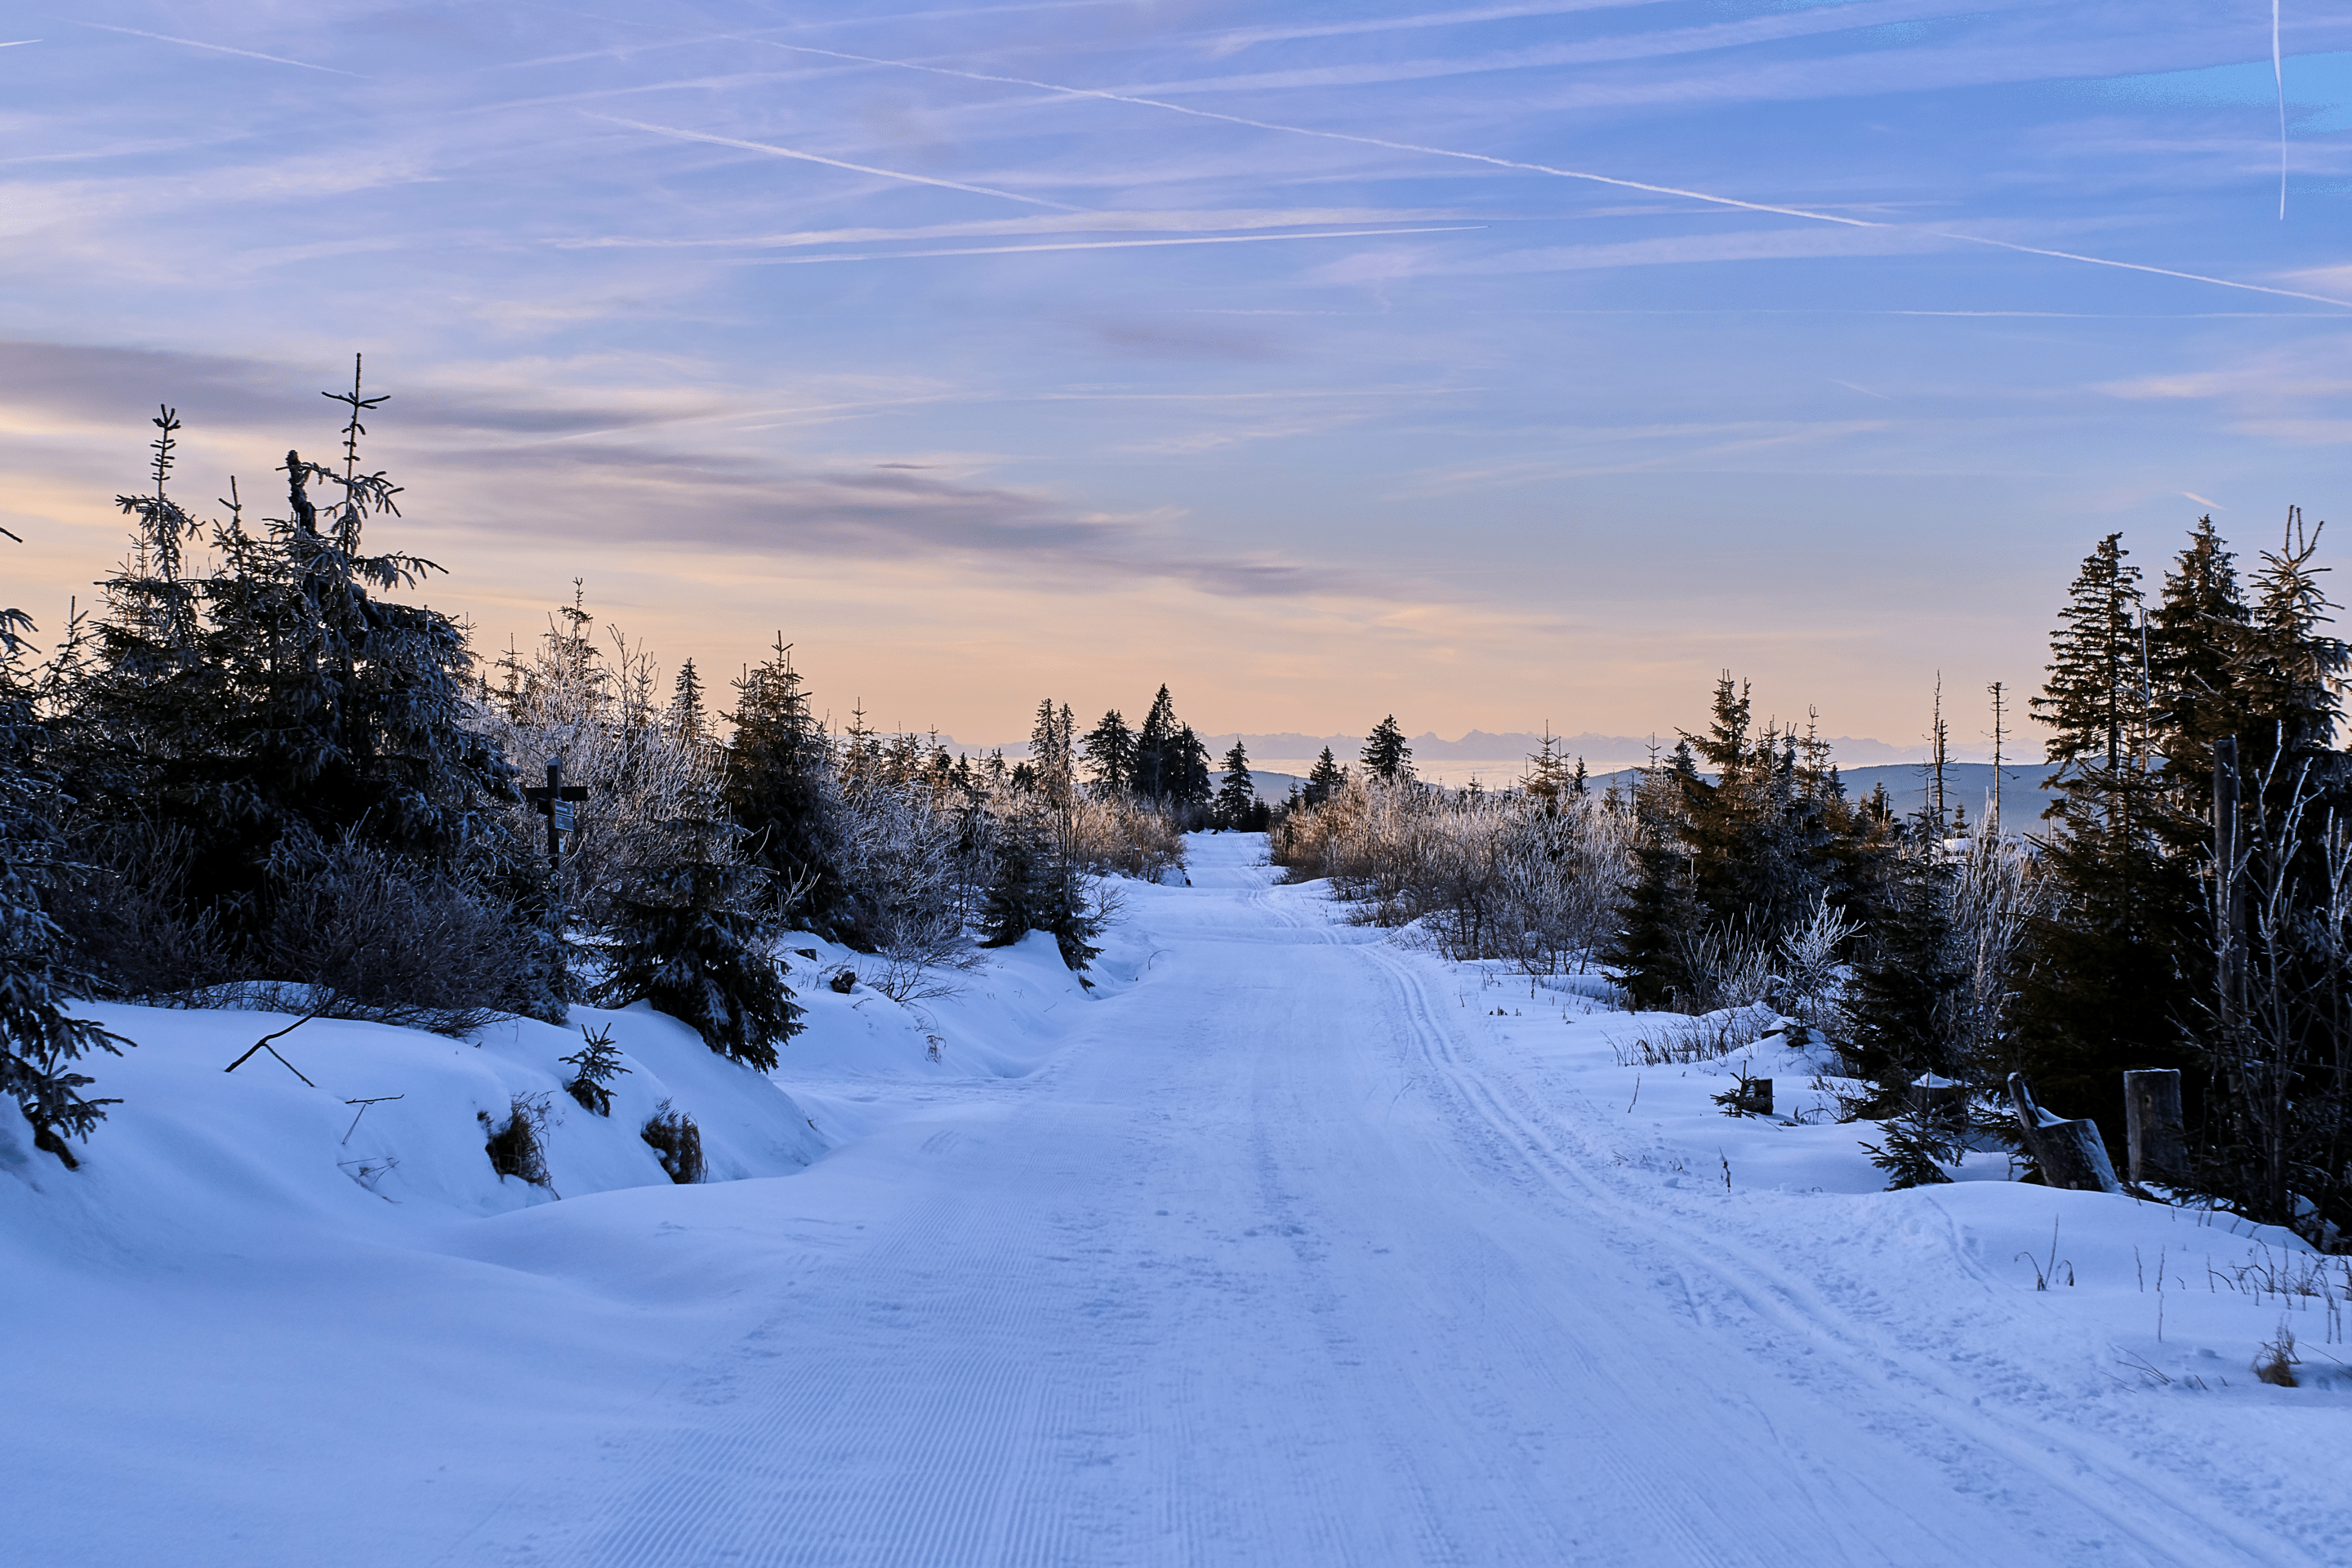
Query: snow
point(1281, 1245)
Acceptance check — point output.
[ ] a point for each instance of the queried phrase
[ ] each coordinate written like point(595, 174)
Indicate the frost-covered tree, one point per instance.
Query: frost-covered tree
point(780, 789)
point(692, 938)
point(39, 1038)
point(235, 718)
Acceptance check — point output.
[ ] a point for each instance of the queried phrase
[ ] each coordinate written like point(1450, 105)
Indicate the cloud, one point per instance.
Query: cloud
point(1745, 245)
point(221, 49)
point(1769, 28)
point(1072, 222)
point(482, 448)
point(775, 151)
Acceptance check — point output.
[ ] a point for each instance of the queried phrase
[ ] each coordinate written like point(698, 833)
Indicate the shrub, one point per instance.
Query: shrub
point(676, 1141)
point(516, 1145)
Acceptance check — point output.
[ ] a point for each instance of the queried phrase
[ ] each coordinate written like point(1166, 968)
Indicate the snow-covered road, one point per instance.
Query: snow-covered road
point(1283, 1258)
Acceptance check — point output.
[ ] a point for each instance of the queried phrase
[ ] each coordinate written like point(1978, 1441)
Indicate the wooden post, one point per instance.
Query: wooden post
point(2159, 1152)
point(2069, 1154)
point(1937, 1099)
point(2228, 909)
point(555, 802)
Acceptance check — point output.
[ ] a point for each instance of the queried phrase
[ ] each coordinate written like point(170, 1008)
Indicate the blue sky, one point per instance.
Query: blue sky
point(1293, 353)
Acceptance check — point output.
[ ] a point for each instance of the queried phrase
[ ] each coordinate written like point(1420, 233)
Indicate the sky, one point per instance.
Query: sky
point(1489, 365)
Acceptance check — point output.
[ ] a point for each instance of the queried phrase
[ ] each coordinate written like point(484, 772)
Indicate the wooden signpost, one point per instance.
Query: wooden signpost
point(556, 804)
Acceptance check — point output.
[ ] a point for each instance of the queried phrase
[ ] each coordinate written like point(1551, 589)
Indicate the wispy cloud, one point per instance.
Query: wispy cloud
point(218, 48)
point(775, 151)
point(1769, 29)
point(1248, 38)
point(1557, 172)
point(1098, 245)
point(1176, 221)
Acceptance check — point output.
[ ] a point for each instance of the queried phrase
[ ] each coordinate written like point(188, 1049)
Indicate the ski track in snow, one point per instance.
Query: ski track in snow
point(1283, 1258)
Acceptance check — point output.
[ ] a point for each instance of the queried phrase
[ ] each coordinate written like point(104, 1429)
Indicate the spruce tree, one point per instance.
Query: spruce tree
point(1110, 754)
point(39, 1038)
point(1158, 768)
point(1237, 796)
point(1386, 756)
point(1900, 995)
point(1327, 775)
point(2110, 973)
point(1660, 911)
point(2198, 643)
point(1036, 885)
point(1053, 758)
point(779, 789)
point(690, 938)
point(2290, 672)
point(687, 717)
point(1188, 769)
point(278, 701)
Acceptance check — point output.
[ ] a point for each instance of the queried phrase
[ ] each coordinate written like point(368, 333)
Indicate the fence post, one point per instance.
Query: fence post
point(2152, 1121)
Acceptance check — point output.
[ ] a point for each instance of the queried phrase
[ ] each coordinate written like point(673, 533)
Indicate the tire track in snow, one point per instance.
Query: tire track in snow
point(1770, 1295)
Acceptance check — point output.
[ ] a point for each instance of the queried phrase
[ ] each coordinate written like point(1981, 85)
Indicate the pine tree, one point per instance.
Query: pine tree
point(1110, 754)
point(1157, 765)
point(779, 789)
point(1188, 769)
point(1237, 802)
point(687, 717)
point(2111, 970)
point(1386, 756)
point(690, 938)
point(1548, 779)
point(2291, 674)
point(1036, 885)
point(1660, 911)
point(38, 1037)
point(2198, 637)
point(1052, 756)
point(278, 701)
point(1905, 981)
point(1327, 775)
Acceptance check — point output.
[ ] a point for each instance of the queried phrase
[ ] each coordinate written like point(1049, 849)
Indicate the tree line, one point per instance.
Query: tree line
point(2167, 913)
point(255, 775)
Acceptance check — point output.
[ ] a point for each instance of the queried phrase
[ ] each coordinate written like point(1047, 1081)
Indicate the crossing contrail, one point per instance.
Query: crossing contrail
point(216, 49)
point(1548, 169)
point(774, 151)
point(1106, 245)
point(2278, 76)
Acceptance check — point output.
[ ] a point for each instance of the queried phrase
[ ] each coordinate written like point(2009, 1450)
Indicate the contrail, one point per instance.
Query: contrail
point(770, 148)
point(2278, 74)
point(13, 43)
point(1552, 170)
point(218, 48)
point(1102, 245)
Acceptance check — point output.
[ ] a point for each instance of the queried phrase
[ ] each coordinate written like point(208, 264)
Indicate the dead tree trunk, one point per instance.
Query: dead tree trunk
point(2069, 1154)
point(2159, 1152)
point(2228, 904)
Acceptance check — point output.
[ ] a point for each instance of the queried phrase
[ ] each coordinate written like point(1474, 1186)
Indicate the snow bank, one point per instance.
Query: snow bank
point(2169, 1298)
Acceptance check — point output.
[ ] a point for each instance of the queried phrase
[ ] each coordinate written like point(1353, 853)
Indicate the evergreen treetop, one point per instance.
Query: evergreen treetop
point(1327, 775)
point(1386, 756)
point(1110, 753)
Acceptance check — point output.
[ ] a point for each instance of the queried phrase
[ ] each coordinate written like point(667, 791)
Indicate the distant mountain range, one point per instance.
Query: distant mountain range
point(1486, 746)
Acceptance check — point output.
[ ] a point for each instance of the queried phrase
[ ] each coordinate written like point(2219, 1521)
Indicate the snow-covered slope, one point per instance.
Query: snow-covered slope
point(1280, 1245)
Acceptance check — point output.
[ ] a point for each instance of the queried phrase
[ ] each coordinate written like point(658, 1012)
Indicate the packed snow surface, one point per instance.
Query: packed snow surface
point(1285, 1244)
